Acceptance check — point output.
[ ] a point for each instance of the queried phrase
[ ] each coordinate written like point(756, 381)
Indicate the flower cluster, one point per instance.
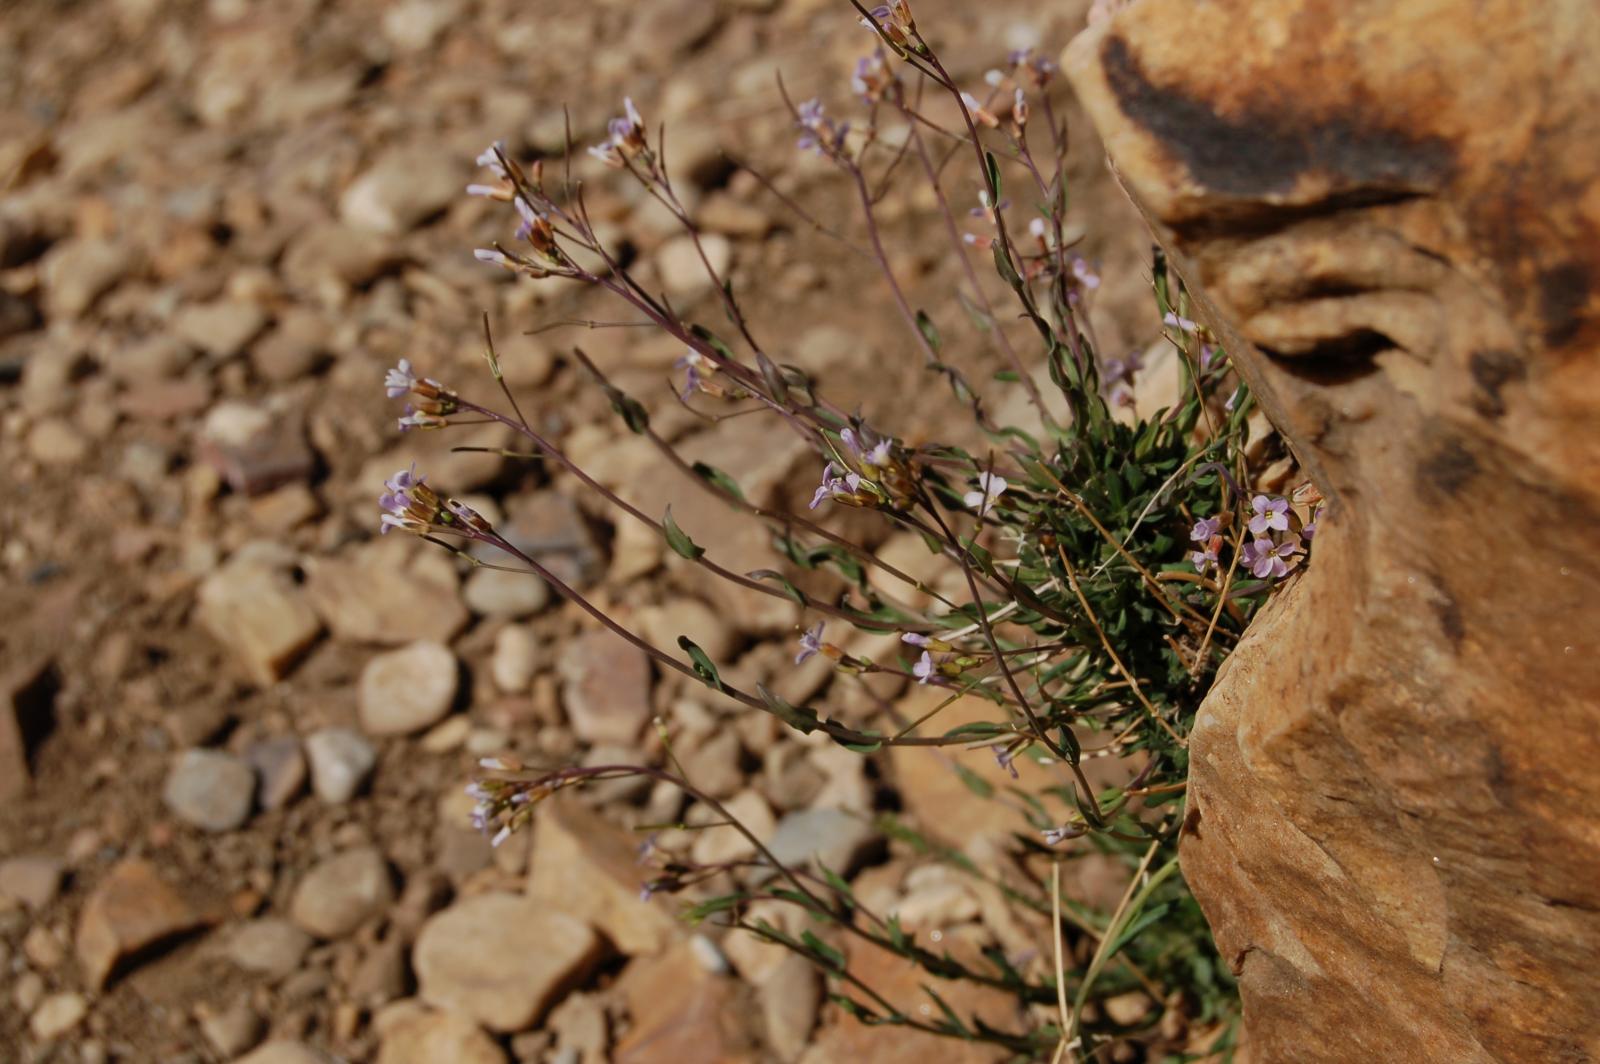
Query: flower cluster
point(818, 132)
point(867, 472)
point(894, 22)
point(503, 806)
point(1275, 548)
point(1035, 69)
point(410, 505)
point(516, 187)
point(432, 403)
point(626, 139)
point(873, 77)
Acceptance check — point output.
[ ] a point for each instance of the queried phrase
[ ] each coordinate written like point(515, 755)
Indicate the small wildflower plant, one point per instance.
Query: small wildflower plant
point(1108, 560)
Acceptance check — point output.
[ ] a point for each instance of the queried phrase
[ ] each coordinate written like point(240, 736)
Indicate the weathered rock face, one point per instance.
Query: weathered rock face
point(1391, 214)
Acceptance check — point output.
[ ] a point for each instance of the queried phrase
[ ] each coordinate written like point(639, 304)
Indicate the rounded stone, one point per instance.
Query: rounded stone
point(406, 690)
point(271, 946)
point(516, 658)
point(58, 1014)
point(341, 762)
point(342, 892)
point(497, 593)
point(210, 789)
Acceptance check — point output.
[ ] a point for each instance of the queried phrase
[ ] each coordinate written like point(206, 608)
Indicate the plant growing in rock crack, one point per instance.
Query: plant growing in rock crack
point(1106, 563)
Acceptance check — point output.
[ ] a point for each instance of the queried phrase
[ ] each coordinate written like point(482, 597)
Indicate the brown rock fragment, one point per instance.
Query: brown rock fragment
point(132, 909)
point(1393, 788)
point(585, 866)
point(259, 614)
point(684, 1014)
point(502, 959)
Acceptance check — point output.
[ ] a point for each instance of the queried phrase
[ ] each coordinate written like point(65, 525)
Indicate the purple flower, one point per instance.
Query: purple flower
point(1054, 836)
point(626, 137)
point(493, 255)
point(399, 380)
point(696, 368)
point(1003, 758)
point(810, 644)
point(1085, 274)
point(924, 669)
point(1205, 528)
point(820, 134)
point(1208, 352)
point(412, 418)
point(1121, 370)
point(876, 455)
point(1310, 530)
point(916, 639)
point(531, 219)
point(834, 485)
point(396, 501)
point(1207, 558)
point(491, 158)
point(1037, 228)
point(1271, 512)
point(991, 487)
point(1178, 322)
point(1266, 559)
point(871, 77)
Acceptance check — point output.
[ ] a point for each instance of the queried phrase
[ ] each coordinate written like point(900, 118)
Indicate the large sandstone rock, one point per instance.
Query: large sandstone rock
point(1390, 216)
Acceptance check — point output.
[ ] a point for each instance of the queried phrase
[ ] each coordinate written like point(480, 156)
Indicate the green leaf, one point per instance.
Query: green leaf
point(633, 414)
point(711, 906)
point(718, 479)
point(864, 748)
point(803, 721)
point(777, 389)
point(834, 959)
point(974, 782)
point(994, 175)
point(976, 728)
point(1002, 264)
point(703, 666)
point(678, 539)
point(950, 1015)
point(782, 581)
point(702, 333)
point(930, 331)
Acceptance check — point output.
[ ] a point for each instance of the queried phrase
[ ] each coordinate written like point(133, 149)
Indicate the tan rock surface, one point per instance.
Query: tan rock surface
point(585, 866)
point(1389, 214)
point(502, 959)
point(131, 910)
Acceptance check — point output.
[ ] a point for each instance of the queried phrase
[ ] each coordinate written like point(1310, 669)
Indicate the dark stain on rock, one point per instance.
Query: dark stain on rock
point(1563, 295)
point(1492, 370)
point(1264, 150)
point(1448, 610)
point(1446, 467)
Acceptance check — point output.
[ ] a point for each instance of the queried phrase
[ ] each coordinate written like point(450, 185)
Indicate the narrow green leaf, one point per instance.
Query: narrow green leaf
point(930, 332)
point(833, 957)
point(781, 580)
point(803, 721)
point(718, 479)
point(1002, 263)
point(678, 539)
point(703, 665)
point(974, 782)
